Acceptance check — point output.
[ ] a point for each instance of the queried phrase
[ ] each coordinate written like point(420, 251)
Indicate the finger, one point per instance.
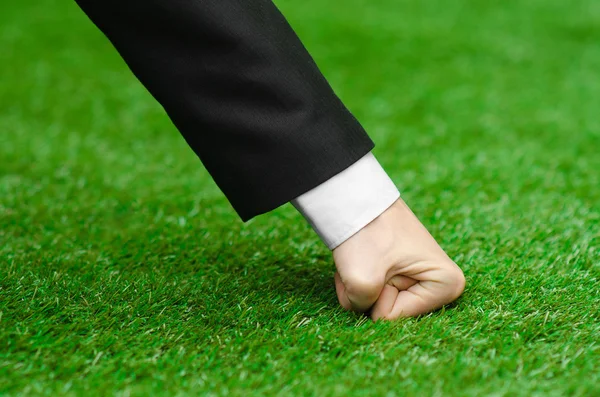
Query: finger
point(360, 291)
point(341, 292)
point(419, 299)
point(402, 282)
point(385, 303)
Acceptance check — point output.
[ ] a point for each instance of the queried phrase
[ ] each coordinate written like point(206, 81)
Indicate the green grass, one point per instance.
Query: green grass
point(124, 271)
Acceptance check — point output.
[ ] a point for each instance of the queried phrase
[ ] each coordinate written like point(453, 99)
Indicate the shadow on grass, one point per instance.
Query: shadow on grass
point(231, 278)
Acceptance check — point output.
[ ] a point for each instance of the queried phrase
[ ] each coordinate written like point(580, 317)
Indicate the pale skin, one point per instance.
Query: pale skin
point(393, 268)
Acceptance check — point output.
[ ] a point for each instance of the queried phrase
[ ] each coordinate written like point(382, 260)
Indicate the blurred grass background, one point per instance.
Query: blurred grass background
point(124, 271)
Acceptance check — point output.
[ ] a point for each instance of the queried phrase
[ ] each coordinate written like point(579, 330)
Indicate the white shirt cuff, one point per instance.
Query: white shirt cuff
point(344, 204)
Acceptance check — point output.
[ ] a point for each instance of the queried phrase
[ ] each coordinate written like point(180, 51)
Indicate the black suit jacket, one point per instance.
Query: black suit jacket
point(237, 82)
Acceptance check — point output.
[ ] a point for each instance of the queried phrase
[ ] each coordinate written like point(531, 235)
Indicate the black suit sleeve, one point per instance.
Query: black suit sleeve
point(237, 82)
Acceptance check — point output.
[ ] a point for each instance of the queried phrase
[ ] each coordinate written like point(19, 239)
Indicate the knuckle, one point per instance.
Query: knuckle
point(362, 288)
point(458, 282)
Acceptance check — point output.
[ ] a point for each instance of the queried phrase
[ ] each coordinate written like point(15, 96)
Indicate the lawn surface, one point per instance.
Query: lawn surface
point(123, 269)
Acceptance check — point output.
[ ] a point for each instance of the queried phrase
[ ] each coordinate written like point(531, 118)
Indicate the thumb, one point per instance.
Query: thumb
point(422, 297)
